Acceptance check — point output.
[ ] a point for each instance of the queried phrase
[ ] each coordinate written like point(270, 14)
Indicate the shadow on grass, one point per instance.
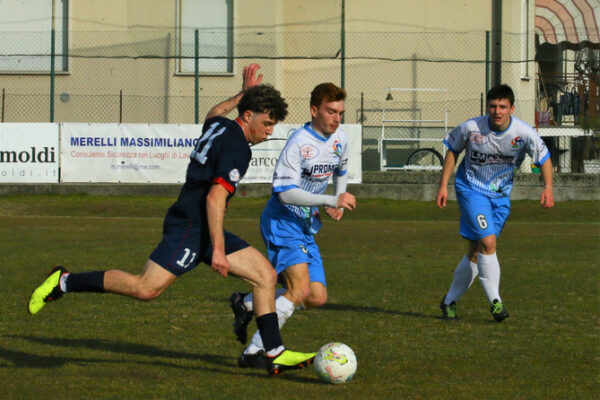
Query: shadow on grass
point(21, 359)
point(374, 310)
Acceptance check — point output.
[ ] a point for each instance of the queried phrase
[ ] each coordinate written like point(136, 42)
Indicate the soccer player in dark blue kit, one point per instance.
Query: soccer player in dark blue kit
point(193, 227)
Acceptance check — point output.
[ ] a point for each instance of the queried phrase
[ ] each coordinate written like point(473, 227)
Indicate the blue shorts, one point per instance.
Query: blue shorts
point(186, 243)
point(288, 245)
point(480, 215)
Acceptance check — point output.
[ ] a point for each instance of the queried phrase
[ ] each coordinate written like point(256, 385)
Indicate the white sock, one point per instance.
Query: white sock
point(274, 352)
point(464, 274)
point(249, 298)
point(489, 275)
point(284, 309)
point(63, 282)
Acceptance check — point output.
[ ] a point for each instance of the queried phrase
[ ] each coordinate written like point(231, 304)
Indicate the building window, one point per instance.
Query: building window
point(25, 37)
point(213, 19)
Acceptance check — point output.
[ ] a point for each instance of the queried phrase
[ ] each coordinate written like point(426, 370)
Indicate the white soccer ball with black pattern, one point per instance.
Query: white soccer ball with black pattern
point(335, 363)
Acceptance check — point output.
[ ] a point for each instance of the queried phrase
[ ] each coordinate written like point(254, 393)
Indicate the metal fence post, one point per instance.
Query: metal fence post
point(487, 61)
point(196, 94)
point(52, 51)
point(343, 49)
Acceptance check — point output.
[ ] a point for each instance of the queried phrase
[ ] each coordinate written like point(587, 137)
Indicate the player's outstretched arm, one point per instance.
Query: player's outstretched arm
point(449, 163)
point(302, 198)
point(250, 79)
point(547, 197)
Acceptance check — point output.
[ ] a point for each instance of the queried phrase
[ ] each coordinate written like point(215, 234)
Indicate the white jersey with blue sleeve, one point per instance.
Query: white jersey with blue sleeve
point(492, 157)
point(307, 162)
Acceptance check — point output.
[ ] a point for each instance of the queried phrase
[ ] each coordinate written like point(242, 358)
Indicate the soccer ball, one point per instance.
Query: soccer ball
point(335, 363)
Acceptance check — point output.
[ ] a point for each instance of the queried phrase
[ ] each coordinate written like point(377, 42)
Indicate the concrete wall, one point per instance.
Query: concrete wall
point(398, 185)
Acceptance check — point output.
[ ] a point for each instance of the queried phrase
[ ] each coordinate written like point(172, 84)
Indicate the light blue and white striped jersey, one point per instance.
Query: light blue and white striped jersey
point(491, 157)
point(307, 162)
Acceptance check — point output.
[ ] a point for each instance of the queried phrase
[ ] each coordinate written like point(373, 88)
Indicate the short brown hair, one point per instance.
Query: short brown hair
point(326, 92)
point(264, 99)
point(501, 92)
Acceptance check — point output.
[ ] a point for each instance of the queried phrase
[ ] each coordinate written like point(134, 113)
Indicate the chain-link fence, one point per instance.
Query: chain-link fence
point(149, 76)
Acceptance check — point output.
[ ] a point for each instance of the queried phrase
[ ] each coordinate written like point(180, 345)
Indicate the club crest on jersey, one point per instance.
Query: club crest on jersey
point(234, 175)
point(478, 138)
point(337, 148)
point(517, 142)
point(308, 151)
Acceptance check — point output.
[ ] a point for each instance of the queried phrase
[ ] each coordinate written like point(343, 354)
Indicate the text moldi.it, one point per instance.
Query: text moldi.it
point(33, 155)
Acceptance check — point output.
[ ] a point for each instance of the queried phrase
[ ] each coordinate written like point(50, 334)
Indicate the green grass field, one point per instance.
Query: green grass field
point(388, 265)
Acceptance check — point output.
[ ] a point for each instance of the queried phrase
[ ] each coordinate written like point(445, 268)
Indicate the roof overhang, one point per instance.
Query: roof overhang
point(571, 22)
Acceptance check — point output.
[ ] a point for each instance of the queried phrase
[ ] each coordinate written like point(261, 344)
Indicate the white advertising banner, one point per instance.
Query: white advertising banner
point(264, 155)
point(129, 153)
point(29, 153)
point(142, 153)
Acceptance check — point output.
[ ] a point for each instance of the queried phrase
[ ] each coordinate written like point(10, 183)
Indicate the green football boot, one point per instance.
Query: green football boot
point(287, 360)
point(448, 310)
point(498, 311)
point(49, 290)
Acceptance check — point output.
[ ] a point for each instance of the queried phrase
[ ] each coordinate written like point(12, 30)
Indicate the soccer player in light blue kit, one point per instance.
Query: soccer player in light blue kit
point(495, 145)
point(312, 155)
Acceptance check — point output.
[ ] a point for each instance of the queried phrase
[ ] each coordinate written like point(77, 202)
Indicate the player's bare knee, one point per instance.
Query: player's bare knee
point(315, 300)
point(267, 276)
point(147, 294)
point(487, 245)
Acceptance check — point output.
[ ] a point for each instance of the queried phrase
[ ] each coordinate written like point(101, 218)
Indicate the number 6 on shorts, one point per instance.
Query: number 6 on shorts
point(483, 224)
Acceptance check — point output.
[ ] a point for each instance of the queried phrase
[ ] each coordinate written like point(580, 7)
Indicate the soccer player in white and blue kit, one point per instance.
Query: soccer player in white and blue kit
point(494, 145)
point(312, 155)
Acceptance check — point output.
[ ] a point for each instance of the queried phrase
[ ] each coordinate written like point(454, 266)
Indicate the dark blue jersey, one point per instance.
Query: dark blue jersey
point(221, 156)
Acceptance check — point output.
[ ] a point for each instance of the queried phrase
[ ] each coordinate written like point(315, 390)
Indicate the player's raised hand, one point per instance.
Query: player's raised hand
point(219, 263)
point(250, 78)
point(346, 200)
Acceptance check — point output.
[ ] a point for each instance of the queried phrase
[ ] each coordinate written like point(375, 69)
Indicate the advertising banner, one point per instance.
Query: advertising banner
point(131, 153)
point(29, 153)
point(142, 153)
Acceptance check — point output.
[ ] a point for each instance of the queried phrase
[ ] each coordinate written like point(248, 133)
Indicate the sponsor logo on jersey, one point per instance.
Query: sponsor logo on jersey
point(234, 175)
point(477, 137)
point(308, 151)
point(318, 171)
point(483, 158)
point(281, 178)
point(517, 142)
point(304, 250)
point(337, 148)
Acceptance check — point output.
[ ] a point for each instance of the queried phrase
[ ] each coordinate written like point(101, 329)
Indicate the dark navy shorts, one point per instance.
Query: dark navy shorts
point(186, 243)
